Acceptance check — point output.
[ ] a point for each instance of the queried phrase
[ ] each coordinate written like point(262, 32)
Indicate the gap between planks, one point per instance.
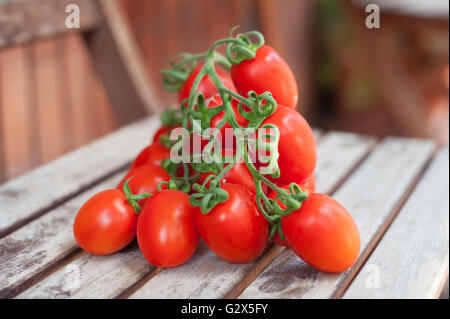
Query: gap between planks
point(276, 250)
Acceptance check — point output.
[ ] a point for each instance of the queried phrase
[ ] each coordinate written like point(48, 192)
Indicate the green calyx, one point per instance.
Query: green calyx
point(133, 199)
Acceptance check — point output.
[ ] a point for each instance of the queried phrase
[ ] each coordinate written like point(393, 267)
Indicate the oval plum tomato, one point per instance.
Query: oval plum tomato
point(267, 71)
point(297, 147)
point(323, 234)
point(106, 223)
point(206, 86)
point(238, 174)
point(166, 231)
point(234, 230)
point(145, 179)
point(154, 153)
point(163, 130)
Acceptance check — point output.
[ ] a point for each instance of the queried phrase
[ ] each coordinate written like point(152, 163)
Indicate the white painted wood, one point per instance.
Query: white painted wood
point(370, 195)
point(40, 189)
point(411, 260)
point(34, 247)
point(207, 276)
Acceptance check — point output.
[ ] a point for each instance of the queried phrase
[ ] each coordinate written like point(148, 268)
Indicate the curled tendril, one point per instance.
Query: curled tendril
point(179, 69)
point(243, 48)
point(133, 199)
point(208, 197)
point(261, 106)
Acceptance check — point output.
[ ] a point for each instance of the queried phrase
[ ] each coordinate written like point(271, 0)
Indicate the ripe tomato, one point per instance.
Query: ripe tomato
point(323, 234)
point(106, 223)
point(166, 231)
point(309, 184)
point(297, 146)
point(267, 71)
point(238, 174)
point(206, 86)
point(234, 230)
point(154, 153)
point(162, 131)
point(145, 179)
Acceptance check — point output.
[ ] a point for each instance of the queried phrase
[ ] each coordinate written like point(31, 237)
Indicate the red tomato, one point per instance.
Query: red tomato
point(106, 223)
point(163, 130)
point(234, 230)
point(323, 234)
point(238, 174)
point(266, 72)
point(145, 179)
point(154, 153)
point(206, 86)
point(166, 231)
point(297, 146)
point(309, 184)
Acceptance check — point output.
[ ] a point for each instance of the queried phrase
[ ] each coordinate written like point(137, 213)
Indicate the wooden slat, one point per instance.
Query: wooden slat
point(38, 245)
point(204, 270)
point(370, 195)
point(36, 192)
point(207, 276)
point(22, 21)
point(411, 260)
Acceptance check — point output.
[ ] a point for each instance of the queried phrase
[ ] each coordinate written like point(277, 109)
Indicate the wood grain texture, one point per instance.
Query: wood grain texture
point(207, 276)
point(411, 260)
point(370, 195)
point(29, 195)
point(22, 21)
point(31, 249)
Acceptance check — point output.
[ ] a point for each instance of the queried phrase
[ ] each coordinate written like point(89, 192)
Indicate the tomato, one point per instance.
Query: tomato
point(297, 147)
point(309, 184)
point(206, 86)
point(323, 234)
point(163, 130)
point(145, 179)
point(238, 174)
point(216, 101)
point(106, 223)
point(166, 232)
point(234, 230)
point(267, 71)
point(154, 153)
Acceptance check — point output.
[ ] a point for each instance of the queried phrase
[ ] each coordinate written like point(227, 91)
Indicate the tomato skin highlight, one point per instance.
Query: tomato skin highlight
point(297, 146)
point(166, 231)
point(323, 234)
point(234, 230)
point(267, 71)
point(144, 179)
point(105, 224)
point(153, 153)
point(206, 86)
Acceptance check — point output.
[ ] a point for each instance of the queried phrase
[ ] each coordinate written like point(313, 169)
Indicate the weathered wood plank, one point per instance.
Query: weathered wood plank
point(370, 195)
point(36, 192)
point(207, 276)
point(22, 21)
point(411, 260)
point(36, 246)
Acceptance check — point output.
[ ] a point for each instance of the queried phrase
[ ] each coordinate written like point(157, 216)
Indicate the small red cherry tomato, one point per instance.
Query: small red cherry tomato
point(234, 230)
point(154, 153)
point(145, 179)
point(267, 71)
point(206, 86)
point(297, 147)
point(166, 231)
point(323, 234)
point(163, 130)
point(106, 223)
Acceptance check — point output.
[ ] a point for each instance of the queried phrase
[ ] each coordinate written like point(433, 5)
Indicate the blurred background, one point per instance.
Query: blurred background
point(388, 81)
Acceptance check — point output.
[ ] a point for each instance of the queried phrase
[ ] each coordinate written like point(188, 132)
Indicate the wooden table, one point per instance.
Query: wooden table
point(395, 188)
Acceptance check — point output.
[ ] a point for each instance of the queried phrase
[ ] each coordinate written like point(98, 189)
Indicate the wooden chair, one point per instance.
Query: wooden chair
point(109, 42)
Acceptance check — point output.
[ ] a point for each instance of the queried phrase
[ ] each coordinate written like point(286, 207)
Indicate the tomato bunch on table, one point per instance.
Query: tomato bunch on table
point(253, 192)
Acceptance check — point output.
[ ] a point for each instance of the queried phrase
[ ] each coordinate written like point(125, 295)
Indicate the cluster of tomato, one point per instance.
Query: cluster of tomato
point(167, 219)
